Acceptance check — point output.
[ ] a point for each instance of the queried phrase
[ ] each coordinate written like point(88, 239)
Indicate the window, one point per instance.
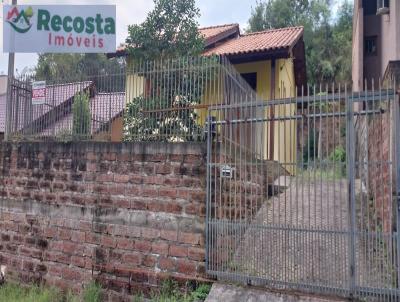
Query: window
point(382, 7)
point(251, 79)
point(370, 46)
point(369, 7)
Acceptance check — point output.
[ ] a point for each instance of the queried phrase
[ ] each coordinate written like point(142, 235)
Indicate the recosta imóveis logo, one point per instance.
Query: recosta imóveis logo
point(20, 21)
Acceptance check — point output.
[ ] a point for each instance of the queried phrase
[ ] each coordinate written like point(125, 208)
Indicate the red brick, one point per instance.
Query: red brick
point(92, 238)
point(163, 169)
point(121, 178)
point(142, 246)
point(138, 205)
point(186, 267)
point(85, 225)
point(109, 177)
point(77, 236)
point(197, 254)
point(190, 238)
point(178, 251)
point(71, 274)
point(166, 264)
point(132, 258)
point(155, 206)
point(173, 207)
point(50, 232)
point(169, 235)
point(78, 261)
point(124, 243)
point(150, 233)
point(55, 270)
point(168, 192)
point(149, 191)
point(149, 260)
point(73, 248)
point(64, 234)
point(57, 257)
point(160, 248)
point(108, 241)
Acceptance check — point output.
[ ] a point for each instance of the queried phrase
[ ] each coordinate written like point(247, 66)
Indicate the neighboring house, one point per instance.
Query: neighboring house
point(54, 118)
point(376, 42)
point(271, 61)
point(376, 63)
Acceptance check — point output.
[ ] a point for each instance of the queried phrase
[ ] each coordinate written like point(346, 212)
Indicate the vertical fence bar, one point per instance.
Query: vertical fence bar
point(350, 146)
point(209, 126)
point(396, 143)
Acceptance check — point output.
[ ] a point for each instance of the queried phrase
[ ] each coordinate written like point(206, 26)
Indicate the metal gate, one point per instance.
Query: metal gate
point(19, 107)
point(302, 192)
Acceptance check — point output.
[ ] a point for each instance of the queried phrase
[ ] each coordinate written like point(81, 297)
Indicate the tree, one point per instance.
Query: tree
point(81, 117)
point(170, 30)
point(169, 41)
point(62, 68)
point(326, 40)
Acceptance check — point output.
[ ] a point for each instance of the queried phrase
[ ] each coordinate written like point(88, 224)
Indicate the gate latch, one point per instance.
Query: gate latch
point(227, 172)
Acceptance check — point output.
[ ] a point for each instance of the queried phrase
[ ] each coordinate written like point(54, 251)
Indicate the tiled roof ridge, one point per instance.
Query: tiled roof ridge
point(272, 30)
point(218, 26)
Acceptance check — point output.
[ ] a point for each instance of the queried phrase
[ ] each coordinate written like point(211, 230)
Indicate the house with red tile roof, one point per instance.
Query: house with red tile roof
point(272, 62)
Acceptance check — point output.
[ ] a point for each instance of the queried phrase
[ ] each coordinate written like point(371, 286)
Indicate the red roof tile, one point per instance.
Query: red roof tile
point(214, 34)
point(211, 34)
point(269, 40)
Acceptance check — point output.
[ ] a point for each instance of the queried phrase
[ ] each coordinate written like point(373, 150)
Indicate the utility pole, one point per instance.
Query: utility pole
point(10, 77)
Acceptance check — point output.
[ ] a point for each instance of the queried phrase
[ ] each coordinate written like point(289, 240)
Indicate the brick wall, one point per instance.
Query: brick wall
point(381, 184)
point(127, 215)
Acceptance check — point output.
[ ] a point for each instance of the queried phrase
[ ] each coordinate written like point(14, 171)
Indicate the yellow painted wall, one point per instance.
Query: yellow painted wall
point(285, 138)
point(284, 131)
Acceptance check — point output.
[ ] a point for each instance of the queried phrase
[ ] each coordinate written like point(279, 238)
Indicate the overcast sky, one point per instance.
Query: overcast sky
point(213, 12)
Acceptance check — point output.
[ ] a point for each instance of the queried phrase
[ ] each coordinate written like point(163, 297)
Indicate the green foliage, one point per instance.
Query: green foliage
point(338, 155)
point(166, 111)
point(170, 30)
point(328, 42)
point(15, 293)
point(81, 117)
point(170, 292)
point(68, 68)
point(201, 293)
point(92, 293)
point(11, 292)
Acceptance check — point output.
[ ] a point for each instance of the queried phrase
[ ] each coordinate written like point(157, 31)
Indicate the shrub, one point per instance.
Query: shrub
point(81, 117)
point(338, 155)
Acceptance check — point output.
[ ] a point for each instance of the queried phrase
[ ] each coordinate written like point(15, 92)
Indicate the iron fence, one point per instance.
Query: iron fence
point(163, 100)
point(302, 192)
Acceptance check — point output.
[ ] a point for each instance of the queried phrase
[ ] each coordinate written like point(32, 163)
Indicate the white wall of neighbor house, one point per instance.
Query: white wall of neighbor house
point(358, 48)
point(390, 31)
point(386, 29)
point(3, 84)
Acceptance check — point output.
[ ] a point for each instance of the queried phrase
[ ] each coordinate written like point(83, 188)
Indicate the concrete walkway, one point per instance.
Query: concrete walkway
point(302, 237)
point(231, 293)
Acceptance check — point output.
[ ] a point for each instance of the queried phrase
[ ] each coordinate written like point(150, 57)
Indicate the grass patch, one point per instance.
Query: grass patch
point(169, 292)
point(11, 292)
point(15, 293)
